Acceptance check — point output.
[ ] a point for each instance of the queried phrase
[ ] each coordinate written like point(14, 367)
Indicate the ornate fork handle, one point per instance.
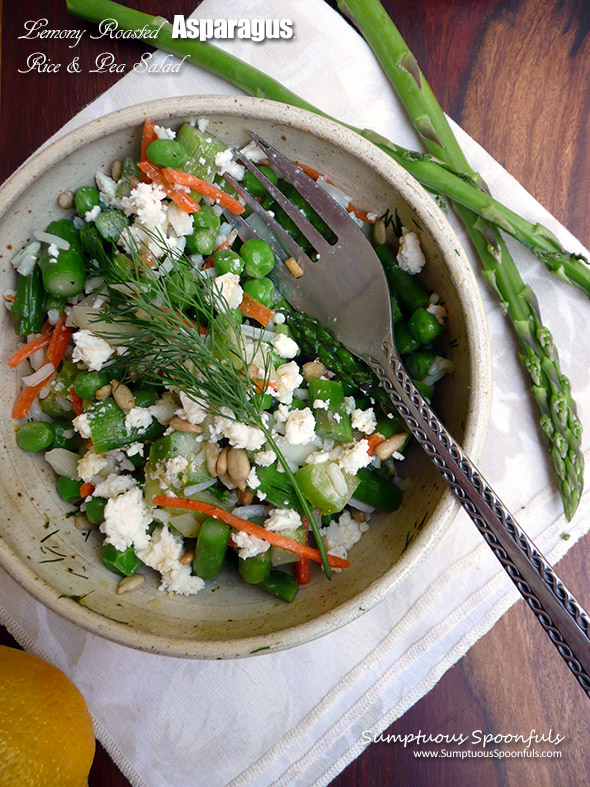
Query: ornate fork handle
point(565, 622)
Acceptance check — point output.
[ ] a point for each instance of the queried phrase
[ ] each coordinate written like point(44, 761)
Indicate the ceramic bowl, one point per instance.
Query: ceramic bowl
point(227, 619)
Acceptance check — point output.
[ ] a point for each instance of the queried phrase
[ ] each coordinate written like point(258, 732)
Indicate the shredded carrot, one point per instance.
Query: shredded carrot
point(252, 308)
point(225, 244)
point(204, 187)
point(31, 347)
point(262, 385)
point(86, 489)
point(60, 338)
point(249, 527)
point(149, 135)
point(76, 401)
point(311, 172)
point(180, 197)
point(374, 440)
point(10, 297)
point(303, 566)
point(360, 214)
point(27, 397)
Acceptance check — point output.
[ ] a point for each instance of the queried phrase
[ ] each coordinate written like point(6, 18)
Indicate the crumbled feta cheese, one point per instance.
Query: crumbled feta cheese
point(321, 404)
point(91, 350)
point(145, 203)
point(114, 485)
point(437, 311)
point(163, 410)
point(353, 456)
point(283, 519)
point(82, 425)
point(126, 519)
point(202, 124)
point(164, 133)
point(410, 256)
point(349, 404)
point(138, 418)
point(343, 534)
point(250, 546)
point(224, 161)
point(239, 435)
point(107, 188)
point(439, 367)
point(181, 222)
point(364, 420)
point(228, 288)
point(134, 448)
point(300, 427)
point(192, 411)
point(252, 482)
point(289, 379)
point(174, 467)
point(90, 465)
point(163, 553)
point(92, 215)
point(265, 458)
point(254, 153)
point(53, 251)
point(285, 346)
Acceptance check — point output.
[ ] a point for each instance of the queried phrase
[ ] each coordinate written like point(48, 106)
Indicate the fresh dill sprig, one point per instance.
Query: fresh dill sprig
point(178, 332)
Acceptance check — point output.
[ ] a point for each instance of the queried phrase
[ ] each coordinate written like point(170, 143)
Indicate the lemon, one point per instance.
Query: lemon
point(46, 734)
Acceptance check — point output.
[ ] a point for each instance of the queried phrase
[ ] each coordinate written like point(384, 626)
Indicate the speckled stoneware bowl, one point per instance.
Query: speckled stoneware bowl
point(229, 619)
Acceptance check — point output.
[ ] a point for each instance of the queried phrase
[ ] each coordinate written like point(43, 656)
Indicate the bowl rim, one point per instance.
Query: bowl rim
point(477, 338)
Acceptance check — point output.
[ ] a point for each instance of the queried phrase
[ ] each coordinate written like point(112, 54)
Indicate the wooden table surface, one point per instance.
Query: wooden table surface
point(515, 74)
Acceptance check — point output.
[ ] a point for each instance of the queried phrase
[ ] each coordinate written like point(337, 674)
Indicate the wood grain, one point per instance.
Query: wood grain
point(515, 74)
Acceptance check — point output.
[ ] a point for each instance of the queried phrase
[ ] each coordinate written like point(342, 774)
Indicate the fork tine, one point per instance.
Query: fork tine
point(317, 240)
point(283, 236)
point(335, 216)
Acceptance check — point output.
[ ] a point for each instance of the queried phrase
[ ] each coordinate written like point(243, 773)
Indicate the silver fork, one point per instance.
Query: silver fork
point(342, 309)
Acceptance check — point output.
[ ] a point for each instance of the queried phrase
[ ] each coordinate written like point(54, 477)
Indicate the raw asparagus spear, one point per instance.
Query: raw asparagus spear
point(434, 174)
point(559, 422)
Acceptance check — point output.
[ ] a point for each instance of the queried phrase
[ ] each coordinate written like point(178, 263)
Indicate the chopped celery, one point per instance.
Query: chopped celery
point(315, 483)
point(56, 403)
point(332, 422)
point(182, 444)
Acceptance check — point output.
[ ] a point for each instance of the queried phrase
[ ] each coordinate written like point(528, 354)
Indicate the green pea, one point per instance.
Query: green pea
point(111, 224)
point(125, 563)
point(424, 326)
point(228, 261)
point(201, 241)
point(258, 257)
point(60, 441)
point(35, 436)
point(95, 510)
point(167, 153)
point(86, 199)
point(418, 363)
point(206, 217)
point(68, 489)
point(254, 186)
point(87, 384)
point(261, 290)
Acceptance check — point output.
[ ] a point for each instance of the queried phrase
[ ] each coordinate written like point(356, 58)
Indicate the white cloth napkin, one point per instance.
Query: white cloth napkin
point(298, 717)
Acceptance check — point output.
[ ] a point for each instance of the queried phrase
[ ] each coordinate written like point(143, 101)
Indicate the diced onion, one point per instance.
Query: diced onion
point(360, 506)
point(47, 237)
point(247, 512)
point(25, 258)
point(41, 374)
point(194, 489)
point(63, 462)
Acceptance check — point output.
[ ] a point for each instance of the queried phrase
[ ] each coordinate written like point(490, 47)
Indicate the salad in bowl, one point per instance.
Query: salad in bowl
point(202, 434)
